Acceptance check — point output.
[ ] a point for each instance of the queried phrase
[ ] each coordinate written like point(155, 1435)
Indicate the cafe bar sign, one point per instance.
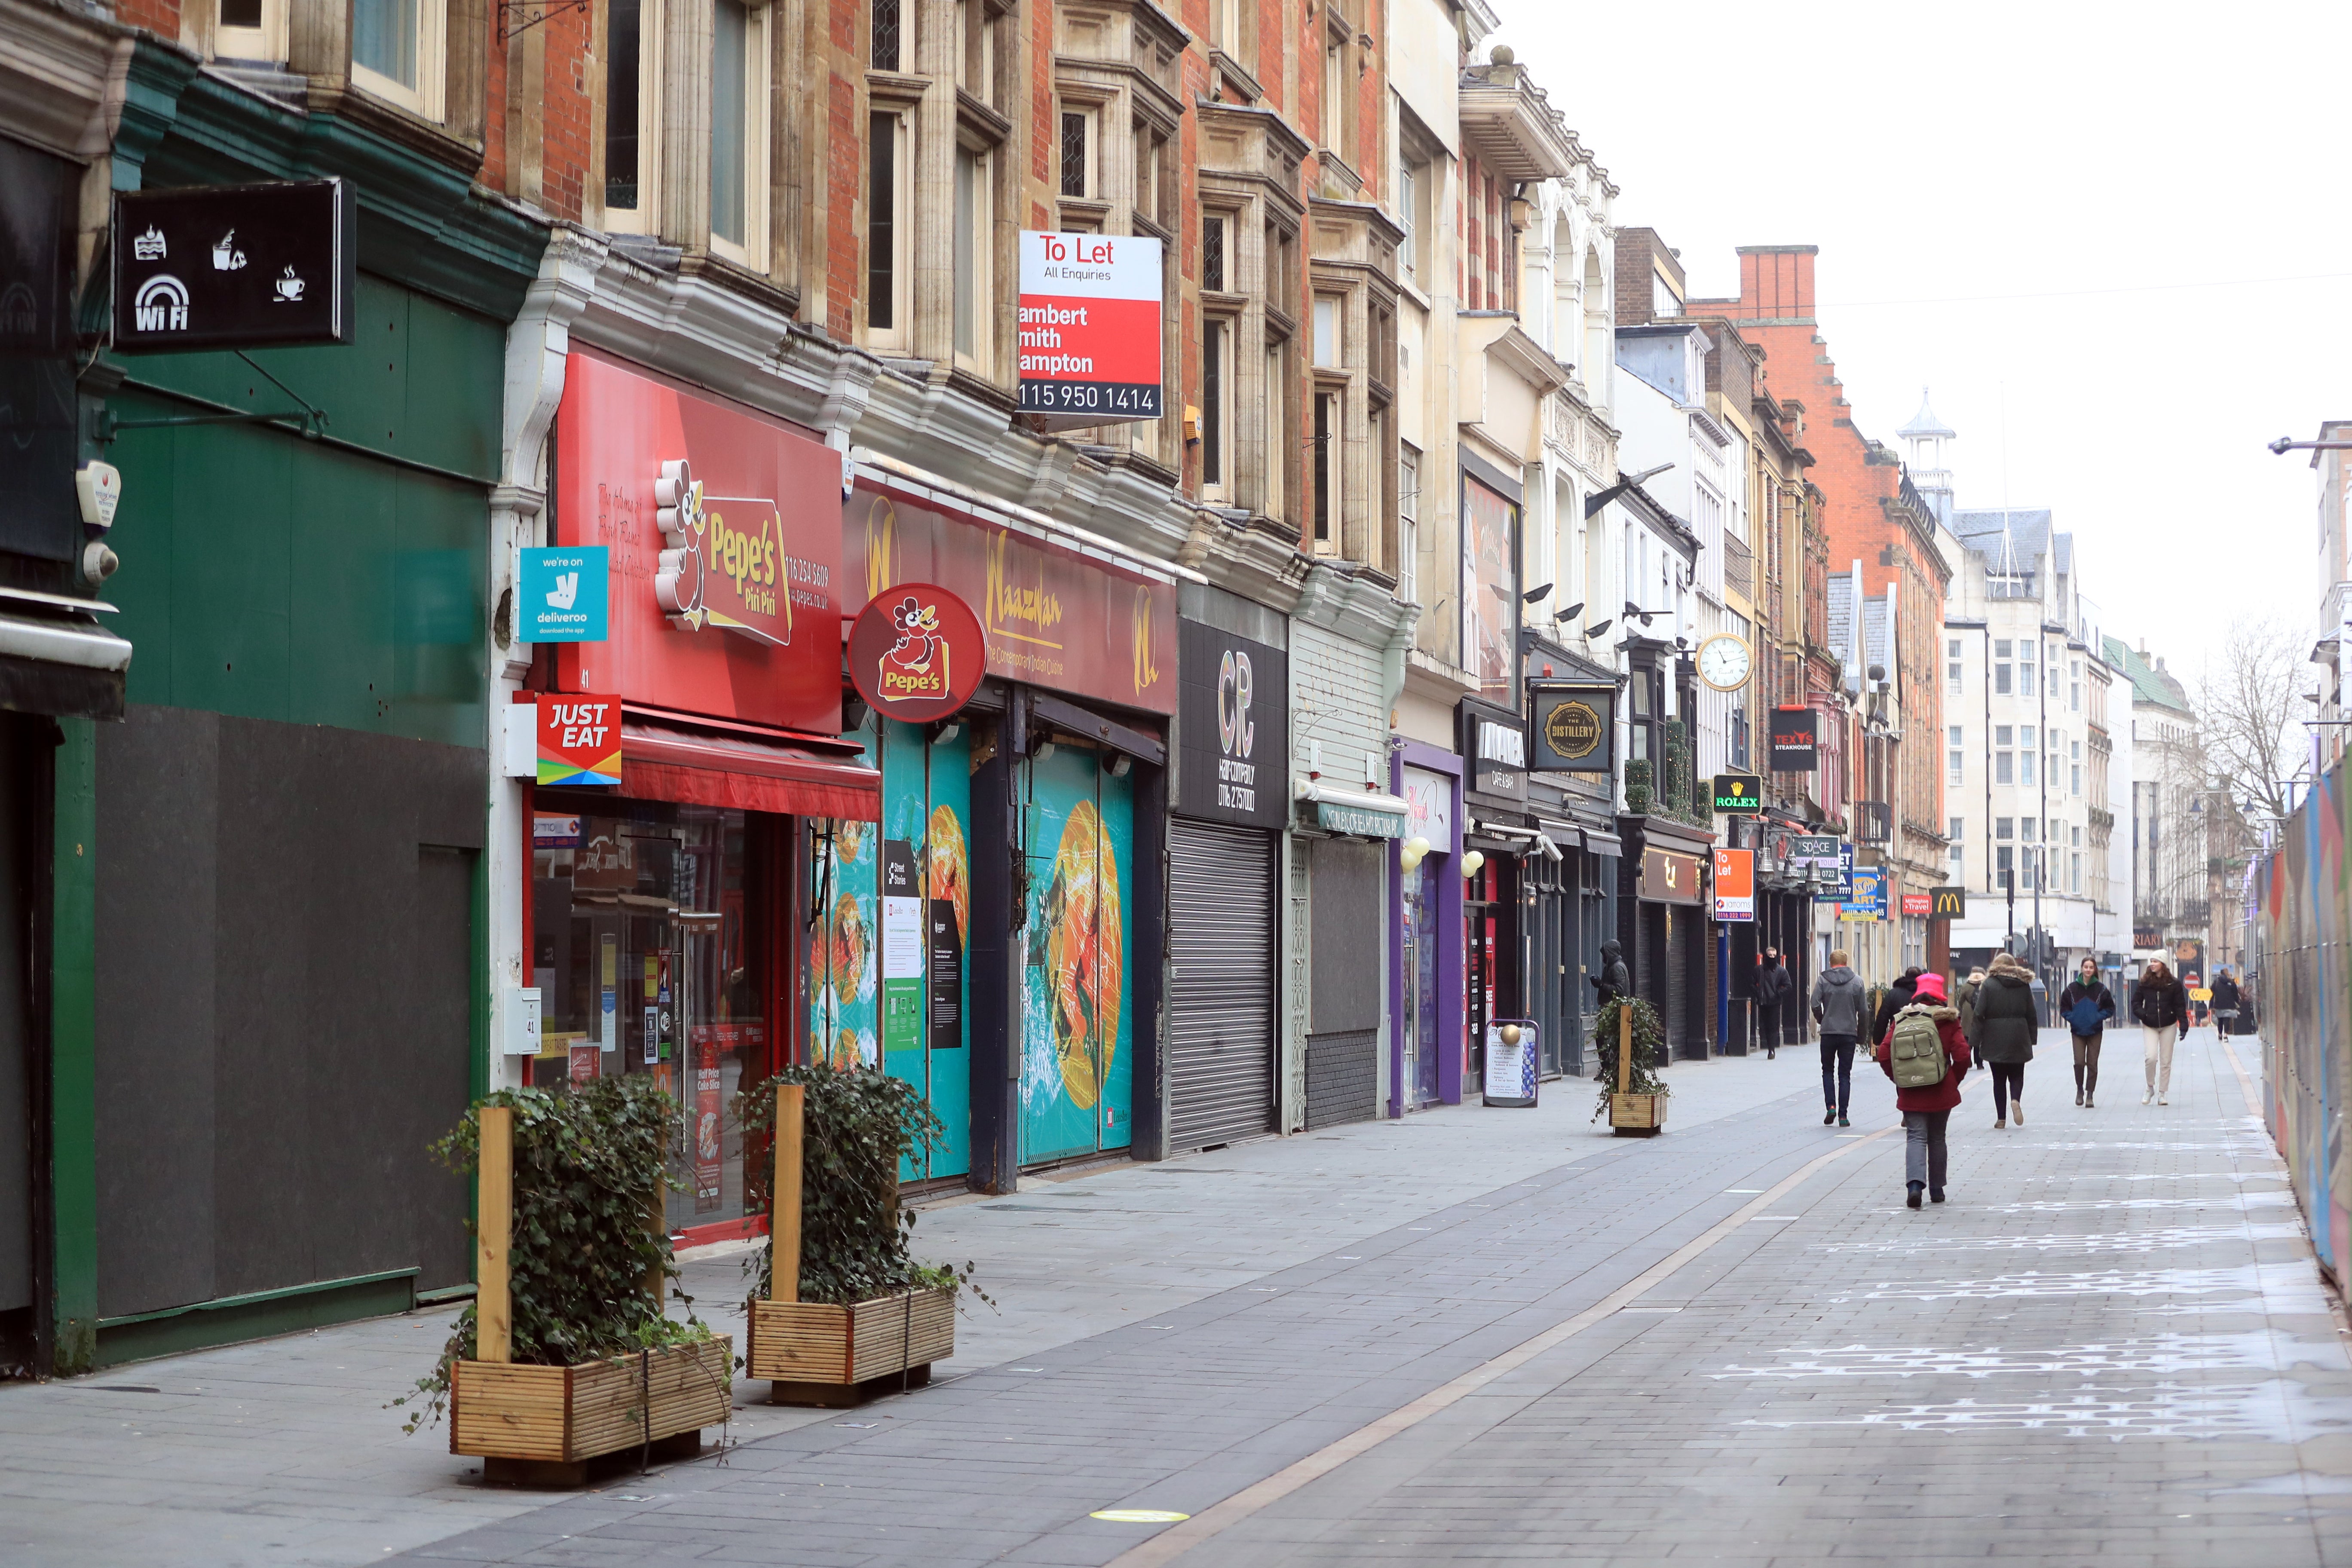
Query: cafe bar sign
point(1570, 728)
point(236, 267)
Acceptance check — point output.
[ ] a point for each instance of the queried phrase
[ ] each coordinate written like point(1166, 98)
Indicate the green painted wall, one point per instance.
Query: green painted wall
point(273, 577)
point(73, 1024)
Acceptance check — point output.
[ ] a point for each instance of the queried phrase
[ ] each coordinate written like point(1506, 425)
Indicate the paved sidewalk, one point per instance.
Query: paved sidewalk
point(281, 1453)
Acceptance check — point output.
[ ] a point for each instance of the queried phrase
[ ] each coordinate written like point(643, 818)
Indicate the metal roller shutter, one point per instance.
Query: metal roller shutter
point(1220, 932)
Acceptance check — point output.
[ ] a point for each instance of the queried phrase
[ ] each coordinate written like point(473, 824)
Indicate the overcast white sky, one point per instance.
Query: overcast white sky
point(2104, 154)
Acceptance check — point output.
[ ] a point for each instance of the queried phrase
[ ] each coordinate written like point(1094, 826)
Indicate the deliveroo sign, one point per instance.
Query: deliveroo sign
point(562, 596)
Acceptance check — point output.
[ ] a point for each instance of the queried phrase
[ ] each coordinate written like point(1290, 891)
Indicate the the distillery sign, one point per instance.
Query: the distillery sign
point(917, 653)
point(1233, 727)
point(1570, 727)
point(231, 267)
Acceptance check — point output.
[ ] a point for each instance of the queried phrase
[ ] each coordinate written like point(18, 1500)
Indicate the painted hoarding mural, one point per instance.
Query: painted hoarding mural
point(2301, 992)
point(1077, 1062)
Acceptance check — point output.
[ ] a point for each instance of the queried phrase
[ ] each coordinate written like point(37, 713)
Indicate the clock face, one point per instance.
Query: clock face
point(1723, 662)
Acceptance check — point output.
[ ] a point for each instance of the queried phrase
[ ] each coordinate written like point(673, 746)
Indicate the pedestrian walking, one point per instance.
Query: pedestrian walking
point(2162, 1009)
point(1898, 996)
point(1772, 988)
point(1612, 982)
point(1927, 1056)
point(1965, 1001)
point(1839, 1007)
point(2226, 1001)
point(2087, 1006)
point(2006, 1029)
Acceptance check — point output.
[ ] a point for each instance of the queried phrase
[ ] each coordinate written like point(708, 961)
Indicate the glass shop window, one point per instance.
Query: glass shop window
point(651, 927)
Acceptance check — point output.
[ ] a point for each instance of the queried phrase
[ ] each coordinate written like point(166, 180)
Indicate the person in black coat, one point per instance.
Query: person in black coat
point(1772, 989)
point(2162, 1008)
point(1898, 996)
point(2227, 1002)
point(2007, 1026)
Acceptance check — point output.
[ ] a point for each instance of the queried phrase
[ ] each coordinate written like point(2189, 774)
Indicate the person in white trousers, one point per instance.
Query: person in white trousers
point(2161, 1007)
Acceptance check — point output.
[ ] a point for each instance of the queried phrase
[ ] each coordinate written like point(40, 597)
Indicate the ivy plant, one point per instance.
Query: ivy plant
point(590, 1168)
point(857, 1125)
point(1649, 1043)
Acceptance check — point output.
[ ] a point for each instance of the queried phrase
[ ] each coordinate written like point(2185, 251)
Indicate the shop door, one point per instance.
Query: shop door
point(1220, 932)
point(1677, 975)
point(1078, 1063)
point(926, 909)
point(20, 813)
point(1419, 1073)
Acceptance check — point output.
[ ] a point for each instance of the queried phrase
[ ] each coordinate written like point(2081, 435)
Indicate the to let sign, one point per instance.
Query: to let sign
point(1090, 324)
point(1735, 884)
point(236, 267)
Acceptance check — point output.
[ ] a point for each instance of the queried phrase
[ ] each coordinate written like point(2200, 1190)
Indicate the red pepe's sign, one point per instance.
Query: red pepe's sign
point(1050, 616)
point(725, 532)
point(1090, 327)
point(917, 653)
point(579, 739)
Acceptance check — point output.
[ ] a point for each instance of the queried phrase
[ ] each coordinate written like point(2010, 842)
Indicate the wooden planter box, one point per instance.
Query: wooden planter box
point(1638, 1115)
point(545, 1423)
point(818, 1354)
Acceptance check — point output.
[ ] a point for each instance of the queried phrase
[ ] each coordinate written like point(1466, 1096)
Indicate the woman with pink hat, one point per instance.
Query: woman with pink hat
point(1927, 1056)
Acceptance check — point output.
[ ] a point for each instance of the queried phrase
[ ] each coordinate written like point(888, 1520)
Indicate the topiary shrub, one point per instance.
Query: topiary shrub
point(857, 1125)
point(1649, 1043)
point(590, 1166)
point(1639, 773)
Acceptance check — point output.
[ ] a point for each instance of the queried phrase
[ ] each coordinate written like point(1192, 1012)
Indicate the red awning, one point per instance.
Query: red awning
point(661, 763)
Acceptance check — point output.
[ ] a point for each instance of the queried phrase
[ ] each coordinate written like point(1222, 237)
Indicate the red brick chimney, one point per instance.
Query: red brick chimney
point(1776, 282)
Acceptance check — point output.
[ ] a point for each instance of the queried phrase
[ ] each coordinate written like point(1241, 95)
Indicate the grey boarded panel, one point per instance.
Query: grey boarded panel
point(157, 802)
point(1349, 922)
point(347, 950)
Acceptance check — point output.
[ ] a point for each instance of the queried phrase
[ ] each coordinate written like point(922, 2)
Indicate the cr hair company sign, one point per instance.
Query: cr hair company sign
point(1233, 727)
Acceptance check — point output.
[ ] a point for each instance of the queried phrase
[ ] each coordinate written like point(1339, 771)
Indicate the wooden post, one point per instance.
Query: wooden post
point(1625, 1045)
point(494, 1233)
point(784, 1219)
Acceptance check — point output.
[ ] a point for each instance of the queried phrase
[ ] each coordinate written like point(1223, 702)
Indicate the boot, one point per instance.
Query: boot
point(1913, 1201)
point(2017, 1109)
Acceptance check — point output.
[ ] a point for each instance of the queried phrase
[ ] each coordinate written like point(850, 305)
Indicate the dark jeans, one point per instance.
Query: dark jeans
point(1837, 1072)
point(1925, 1154)
point(1768, 1025)
point(2007, 1084)
point(2086, 1062)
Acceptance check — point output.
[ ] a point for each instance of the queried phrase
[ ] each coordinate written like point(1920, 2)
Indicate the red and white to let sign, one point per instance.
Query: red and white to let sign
point(1090, 327)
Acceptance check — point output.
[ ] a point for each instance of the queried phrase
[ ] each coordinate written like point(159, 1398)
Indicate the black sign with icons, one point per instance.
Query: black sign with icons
point(236, 267)
point(1233, 729)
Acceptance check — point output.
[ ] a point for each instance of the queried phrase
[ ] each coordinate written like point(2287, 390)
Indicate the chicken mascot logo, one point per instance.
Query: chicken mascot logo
point(916, 665)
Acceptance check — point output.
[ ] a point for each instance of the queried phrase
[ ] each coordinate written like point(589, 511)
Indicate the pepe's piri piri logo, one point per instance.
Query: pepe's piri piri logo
point(917, 653)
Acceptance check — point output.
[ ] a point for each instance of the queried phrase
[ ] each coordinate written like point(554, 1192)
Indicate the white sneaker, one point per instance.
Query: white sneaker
point(2145, 1099)
point(2161, 1101)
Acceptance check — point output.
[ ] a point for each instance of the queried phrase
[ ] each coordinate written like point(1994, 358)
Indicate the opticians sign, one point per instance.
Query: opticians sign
point(1089, 328)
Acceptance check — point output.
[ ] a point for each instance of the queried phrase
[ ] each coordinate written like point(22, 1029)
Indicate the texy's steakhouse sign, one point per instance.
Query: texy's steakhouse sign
point(1090, 327)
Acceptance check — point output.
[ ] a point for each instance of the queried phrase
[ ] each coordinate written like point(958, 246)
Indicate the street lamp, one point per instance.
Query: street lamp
point(2284, 445)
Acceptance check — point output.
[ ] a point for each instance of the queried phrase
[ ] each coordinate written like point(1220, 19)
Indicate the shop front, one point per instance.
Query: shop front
point(1504, 863)
point(1571, 782)
point(1665, 926)
point(993, 939)
point(677, 761)
point(1228, 811)
point(1425, 1052)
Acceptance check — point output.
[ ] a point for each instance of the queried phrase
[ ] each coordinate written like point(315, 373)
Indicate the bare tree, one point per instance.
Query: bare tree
point(2248, 701)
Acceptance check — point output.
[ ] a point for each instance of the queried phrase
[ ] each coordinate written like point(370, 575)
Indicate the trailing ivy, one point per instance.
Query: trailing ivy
point(590, 1168)
point(857, 1125)
point(1649, 1041)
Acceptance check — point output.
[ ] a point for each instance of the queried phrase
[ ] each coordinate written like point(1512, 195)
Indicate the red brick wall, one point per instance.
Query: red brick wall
point(161, 18)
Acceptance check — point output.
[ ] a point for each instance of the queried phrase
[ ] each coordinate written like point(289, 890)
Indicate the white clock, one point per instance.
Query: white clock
point(1724, 661)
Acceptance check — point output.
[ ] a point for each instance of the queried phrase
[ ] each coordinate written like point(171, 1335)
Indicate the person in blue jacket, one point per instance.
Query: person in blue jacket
point(2087, 1006)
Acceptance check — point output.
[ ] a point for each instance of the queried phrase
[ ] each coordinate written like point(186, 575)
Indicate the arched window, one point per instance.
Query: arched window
point(1567, 337)
point(1599, 329)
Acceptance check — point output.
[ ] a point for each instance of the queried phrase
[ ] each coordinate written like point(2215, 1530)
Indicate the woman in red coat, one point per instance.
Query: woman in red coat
point(1928, 1109)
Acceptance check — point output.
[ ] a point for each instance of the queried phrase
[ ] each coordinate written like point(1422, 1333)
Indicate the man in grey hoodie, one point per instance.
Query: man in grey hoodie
point(1840, 1005)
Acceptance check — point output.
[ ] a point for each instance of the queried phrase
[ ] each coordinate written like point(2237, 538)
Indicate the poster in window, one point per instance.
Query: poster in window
point(903, 949)
point(1490, 591)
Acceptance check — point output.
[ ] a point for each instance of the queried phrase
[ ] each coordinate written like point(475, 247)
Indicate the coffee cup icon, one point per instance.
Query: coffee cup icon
point(289, 288)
